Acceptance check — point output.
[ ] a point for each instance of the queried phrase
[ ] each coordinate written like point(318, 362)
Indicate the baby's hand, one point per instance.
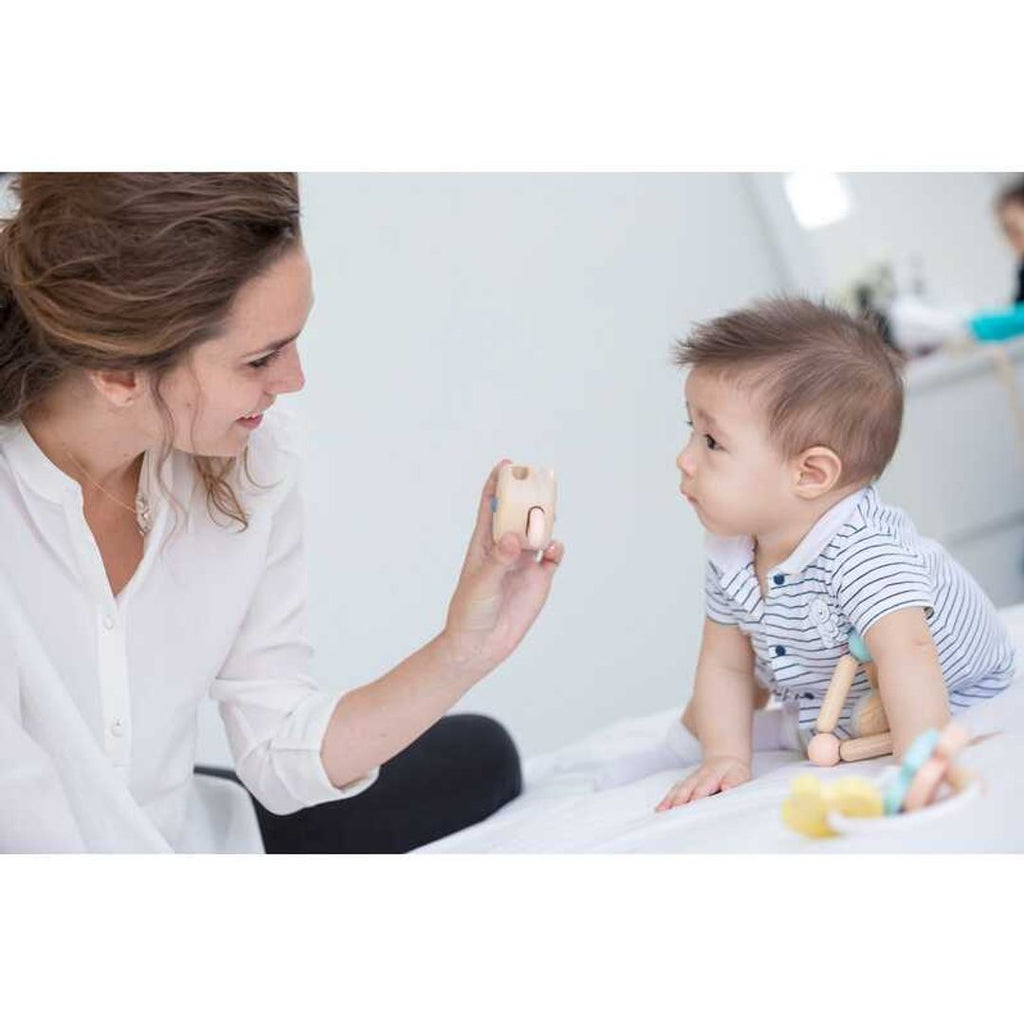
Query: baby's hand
point(715, 775)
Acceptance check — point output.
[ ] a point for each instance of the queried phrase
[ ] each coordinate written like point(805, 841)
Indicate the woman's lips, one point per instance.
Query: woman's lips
point(251, 422)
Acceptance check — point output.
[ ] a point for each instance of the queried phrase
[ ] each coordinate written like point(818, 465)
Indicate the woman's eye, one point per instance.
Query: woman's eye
point(266, 360)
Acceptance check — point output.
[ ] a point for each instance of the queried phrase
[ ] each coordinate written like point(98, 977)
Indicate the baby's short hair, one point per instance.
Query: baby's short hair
point(820, 375)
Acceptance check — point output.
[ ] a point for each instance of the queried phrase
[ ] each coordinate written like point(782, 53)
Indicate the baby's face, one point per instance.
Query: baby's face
point(732, 476)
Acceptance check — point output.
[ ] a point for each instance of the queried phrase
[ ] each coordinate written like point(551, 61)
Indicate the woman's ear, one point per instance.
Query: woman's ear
point(119, 387)
point(817, 471)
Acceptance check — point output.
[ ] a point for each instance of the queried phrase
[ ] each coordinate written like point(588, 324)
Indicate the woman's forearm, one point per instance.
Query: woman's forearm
point(374, 722)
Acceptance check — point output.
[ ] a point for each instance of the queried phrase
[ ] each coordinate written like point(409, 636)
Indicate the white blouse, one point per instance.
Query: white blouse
point(99, 694)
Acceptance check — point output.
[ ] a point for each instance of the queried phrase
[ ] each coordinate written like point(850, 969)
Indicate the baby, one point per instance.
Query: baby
point(795, 410)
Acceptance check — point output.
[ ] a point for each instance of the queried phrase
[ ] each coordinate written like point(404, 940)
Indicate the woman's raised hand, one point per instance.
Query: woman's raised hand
point(501, 590)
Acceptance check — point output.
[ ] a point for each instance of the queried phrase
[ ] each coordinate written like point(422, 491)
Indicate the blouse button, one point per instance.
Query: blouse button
point(780, 651)
point(108, 622)
point(779, 579)
point(117, 727)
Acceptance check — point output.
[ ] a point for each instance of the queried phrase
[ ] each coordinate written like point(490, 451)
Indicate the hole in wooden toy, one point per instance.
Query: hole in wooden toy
point(520, 472)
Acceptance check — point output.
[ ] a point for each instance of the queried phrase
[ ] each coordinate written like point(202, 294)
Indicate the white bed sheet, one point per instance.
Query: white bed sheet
point(561, 811)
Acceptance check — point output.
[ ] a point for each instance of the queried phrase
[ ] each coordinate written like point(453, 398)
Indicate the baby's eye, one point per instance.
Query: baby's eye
point(711, 442)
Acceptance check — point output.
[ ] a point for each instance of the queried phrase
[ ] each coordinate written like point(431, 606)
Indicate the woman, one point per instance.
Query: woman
point(152, 546)
point(1010, 210)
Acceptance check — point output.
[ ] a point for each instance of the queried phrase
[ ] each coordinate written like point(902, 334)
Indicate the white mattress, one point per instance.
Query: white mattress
point(562, 811)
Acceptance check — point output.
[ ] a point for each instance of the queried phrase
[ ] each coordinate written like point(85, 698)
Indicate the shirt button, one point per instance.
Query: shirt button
point(117, 727)
point(780, 651)
point(108, 622)
point(778, 578)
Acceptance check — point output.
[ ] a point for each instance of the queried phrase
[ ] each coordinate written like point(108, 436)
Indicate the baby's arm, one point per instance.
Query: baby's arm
point(719, 715)
point(909, 676)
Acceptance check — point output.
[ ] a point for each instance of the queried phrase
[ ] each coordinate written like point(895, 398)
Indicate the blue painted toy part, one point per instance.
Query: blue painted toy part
point(914, 760)
point(494, 504)
point(998, 324)
point(892, 802)
point(857, 647)
point(920, 751)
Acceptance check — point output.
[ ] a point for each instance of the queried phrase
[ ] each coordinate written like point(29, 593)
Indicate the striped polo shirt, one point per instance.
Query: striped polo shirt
point(860, 561)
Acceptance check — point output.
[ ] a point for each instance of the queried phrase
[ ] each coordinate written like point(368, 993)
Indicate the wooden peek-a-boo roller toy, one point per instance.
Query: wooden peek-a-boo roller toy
point(868, 723)
point(525, 505)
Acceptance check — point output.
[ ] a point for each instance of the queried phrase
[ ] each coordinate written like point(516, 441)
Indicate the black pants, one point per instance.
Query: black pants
point(457, 773)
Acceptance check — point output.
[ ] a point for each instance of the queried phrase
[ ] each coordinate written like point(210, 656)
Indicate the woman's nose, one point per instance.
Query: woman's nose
point(290, 378)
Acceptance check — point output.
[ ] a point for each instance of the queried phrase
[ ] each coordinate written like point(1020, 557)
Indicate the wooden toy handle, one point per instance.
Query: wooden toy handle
point(838, 690)
point(865, 747)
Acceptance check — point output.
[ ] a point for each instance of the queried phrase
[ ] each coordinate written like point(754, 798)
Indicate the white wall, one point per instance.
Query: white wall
point(463, 318)
point(944, 222)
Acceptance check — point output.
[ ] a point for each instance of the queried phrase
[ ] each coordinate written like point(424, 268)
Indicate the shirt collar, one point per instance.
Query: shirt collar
point(32, 466)
point(38, 472)
point(730, 554)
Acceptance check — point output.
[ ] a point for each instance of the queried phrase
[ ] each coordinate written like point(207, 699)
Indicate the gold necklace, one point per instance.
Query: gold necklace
point(142, 511)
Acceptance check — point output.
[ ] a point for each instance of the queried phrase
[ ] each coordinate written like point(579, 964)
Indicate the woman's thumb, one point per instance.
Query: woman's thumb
point(506, 551)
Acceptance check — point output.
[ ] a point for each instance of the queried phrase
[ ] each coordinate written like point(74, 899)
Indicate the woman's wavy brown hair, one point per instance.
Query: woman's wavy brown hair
point(131, 272)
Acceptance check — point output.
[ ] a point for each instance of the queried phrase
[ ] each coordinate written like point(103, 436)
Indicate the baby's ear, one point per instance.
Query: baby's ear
point(816, 472)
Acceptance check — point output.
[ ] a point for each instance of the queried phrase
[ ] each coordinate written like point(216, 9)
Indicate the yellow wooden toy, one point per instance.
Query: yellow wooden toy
point(807, 808)
point(929, 766)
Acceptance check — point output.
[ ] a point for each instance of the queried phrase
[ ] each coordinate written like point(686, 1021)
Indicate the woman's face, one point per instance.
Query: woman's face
point(1011, 218)
point(218, 396)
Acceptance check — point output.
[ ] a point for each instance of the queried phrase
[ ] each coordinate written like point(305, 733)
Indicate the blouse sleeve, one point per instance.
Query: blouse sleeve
point(275, 715)
point(35, 816)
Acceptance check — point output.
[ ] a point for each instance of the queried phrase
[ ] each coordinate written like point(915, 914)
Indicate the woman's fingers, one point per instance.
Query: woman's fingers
point(552, 556)
point(487, 496)
point(491, 486)
point(498, 560)
point(480, 540)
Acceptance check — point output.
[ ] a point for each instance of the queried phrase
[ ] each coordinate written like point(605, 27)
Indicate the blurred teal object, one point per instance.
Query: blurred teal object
point(998, 324)
point(857, 647)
